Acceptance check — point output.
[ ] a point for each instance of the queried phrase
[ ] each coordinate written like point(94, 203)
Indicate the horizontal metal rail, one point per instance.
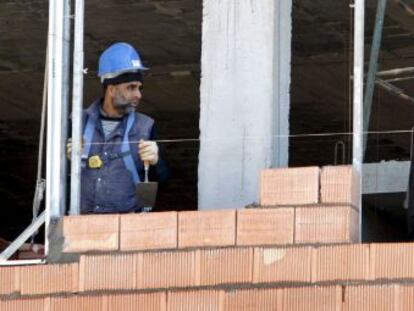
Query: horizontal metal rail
point(22, 262)
point(394, 72)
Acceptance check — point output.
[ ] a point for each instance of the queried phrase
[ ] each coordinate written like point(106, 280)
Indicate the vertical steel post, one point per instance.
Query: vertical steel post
point(373, 67)
point(77, 104)
point(65, 100)
point(54, 114)
point(358, 87)
point(50, 91)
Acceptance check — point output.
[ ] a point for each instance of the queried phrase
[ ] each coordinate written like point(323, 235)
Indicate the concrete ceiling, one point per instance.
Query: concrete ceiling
point(322, 66)
point(168, 34)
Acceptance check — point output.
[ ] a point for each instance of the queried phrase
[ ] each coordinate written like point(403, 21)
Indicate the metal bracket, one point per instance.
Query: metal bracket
point(23, 237)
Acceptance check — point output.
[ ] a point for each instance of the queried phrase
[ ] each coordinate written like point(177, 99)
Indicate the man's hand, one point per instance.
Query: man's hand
point(69, 148)
point(148, 151)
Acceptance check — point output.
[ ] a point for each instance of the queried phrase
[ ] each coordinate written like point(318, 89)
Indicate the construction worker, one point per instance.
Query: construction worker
point(117, 141)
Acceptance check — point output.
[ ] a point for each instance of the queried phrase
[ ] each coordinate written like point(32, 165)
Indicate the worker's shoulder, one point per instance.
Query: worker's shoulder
point(144, 118)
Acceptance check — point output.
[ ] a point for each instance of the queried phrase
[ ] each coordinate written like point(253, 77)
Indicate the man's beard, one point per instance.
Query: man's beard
point(122, 105)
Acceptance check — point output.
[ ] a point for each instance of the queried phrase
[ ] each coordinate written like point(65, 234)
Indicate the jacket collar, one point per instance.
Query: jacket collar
point(94, 112)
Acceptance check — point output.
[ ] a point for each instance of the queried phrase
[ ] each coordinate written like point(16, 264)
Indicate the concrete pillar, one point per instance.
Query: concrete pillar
point(246, 48)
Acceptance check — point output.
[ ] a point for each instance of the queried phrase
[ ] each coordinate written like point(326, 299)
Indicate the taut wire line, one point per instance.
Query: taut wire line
point(257, 138)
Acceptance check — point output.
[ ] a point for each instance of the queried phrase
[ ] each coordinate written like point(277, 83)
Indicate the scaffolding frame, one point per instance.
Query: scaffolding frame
point(58, 64)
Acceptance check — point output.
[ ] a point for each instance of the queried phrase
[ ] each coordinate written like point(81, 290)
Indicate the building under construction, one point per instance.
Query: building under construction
point(287, 129)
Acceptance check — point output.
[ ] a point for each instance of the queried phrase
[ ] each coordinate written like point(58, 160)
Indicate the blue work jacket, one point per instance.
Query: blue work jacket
point(110, 189)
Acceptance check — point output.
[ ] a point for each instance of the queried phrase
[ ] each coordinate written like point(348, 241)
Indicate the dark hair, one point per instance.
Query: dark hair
point(126, 77)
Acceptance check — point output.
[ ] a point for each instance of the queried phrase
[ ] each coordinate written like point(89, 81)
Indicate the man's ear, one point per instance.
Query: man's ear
point(110, 91)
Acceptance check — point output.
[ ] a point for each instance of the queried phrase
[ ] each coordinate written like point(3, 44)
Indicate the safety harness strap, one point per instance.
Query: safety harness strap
point(87, 138)
point(125, 148)
point(128, 161)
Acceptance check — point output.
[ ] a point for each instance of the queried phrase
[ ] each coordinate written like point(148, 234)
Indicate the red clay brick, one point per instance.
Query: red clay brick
point(312, 298)
point(77, 302)
point(47, 279)
point(265, 226)
point(406, 298)
point(148, 231)
point(253, 300)
point(226, 266)
point(207, 228)
point(90, 232)
point(27, 252)
point(203, 300)
point(132, 302)
point(167, 269)
point(289, 186)
point(371, 298)
point(26, 304)
point(339, 224)
point(9, 280)
point(282, 265)
point(392, 261)
point(340, 185)
point(343, 262)
point(117, 271)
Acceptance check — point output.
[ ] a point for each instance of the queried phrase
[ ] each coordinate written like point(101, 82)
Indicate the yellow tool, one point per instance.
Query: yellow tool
point(95, 162)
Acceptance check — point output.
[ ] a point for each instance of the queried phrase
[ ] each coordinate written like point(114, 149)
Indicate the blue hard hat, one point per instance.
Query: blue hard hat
point(119, 58)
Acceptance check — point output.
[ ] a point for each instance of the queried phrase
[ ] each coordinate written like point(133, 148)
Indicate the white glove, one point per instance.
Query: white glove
point(148, 151)
point(69, 148)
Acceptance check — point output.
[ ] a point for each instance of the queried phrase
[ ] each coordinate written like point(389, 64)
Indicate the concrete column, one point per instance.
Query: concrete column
point(246, 48)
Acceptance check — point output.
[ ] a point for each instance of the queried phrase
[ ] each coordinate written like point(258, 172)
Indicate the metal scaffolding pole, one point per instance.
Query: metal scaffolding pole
point(55, 177)
point(373, 67)
point(65, 99)
point(394, 72)
point(394, 90)
point(399, 79)
point(77, 108)
point(358, 87)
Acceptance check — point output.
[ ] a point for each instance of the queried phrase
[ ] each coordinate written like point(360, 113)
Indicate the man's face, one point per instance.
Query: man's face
point(127, 97)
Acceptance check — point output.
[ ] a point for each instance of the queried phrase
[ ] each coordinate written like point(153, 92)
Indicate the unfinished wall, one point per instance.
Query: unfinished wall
point(244, 98)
